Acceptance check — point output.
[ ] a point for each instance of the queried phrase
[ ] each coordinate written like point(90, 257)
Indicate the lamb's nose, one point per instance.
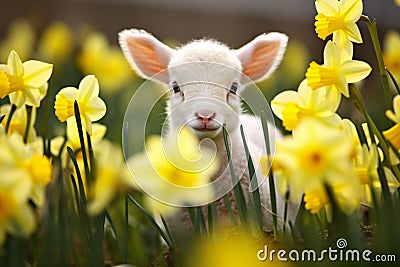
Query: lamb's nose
point(205, 117)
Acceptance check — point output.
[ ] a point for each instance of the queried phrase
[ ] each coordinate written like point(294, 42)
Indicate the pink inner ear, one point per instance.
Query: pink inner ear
point(261, 60)
point(145, 56)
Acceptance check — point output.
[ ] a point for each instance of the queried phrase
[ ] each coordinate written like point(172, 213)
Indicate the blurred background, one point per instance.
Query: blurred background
point(230, 21)
point(25, 27)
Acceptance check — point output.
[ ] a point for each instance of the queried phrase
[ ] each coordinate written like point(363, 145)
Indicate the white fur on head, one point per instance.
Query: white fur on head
point(262, 55)
point(204, 70)
point(146, 54)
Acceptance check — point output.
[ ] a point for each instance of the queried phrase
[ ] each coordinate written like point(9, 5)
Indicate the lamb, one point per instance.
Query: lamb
point(205, 78)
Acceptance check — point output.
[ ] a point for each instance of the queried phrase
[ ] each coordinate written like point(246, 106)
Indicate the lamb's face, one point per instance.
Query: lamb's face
point(204, 81)
point(204, 77)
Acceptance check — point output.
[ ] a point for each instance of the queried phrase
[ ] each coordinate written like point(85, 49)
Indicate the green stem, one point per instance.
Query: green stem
point(396, 85)
point(152, 221)
point(28, 122)
point(378, 52)
point(253, 183)
point(9, 117)
point(237, 189)
point(271, 180)
point(82, 141)
point(374, 131)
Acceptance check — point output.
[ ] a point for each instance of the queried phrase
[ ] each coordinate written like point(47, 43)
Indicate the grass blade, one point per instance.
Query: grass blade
point(152, 221)
point(253, 183)
point(167, 230)
point(212, 218)
point(237, 189)
point(28, 122)
point(271, 180)
point(82, 141)
point(9, 117)
point(230, 211)
point(396, 85)
point(201, 221)
point(117, 237)
point(373, 32)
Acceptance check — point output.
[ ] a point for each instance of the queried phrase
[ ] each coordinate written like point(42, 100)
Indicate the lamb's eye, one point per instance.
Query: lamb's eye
point(175, 87)
point(234, 88)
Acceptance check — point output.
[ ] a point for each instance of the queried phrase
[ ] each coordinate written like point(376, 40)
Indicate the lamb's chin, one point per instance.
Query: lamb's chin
point(207, 133)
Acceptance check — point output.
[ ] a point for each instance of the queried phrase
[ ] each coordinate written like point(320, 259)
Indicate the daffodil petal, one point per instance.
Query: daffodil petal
point(37, 73)
point(331, 55)
point(17, 98)
point(352, 9)
point(396, 106)
point(280, 101)
point(333, 97)
point(96, 109)
point(355, 70)
point(354, 33)
point(14, 64)
point(69, 92)
point(327, 7)
point(32, 97)
point(86, 123)
point(342, 86)
point(4, 67)
point(88, 87)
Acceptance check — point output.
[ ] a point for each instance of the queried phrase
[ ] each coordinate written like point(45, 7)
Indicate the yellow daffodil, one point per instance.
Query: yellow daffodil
point(27, 173)
point(338, 69)
point(19, 122)
point(111, 177)
point(24, 82)
point(315, 155)
point(56, 44)
point(397, 2)
point(91, 106)
point(291, 106)
point(98, 132)
point(347, 195)
point(16, 215)
point(21, 38)
point(105, 61)
point(339, 18)
point(366, 168)
point(30, 160)
point(391, 53)
point(173, 171)
point(232, 249)
point(393, 134)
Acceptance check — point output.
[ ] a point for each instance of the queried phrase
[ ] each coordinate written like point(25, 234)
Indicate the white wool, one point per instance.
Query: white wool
point(205, 71)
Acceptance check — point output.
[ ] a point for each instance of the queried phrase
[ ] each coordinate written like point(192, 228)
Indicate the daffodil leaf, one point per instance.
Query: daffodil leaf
point(396, 85)
point(153, 222)
point(271, 181)
point(237, 188)
point(212, 218)
point(115, 232)
point(254, 183)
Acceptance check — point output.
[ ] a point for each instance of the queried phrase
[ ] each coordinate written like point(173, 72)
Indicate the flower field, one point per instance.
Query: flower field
point(72, 195)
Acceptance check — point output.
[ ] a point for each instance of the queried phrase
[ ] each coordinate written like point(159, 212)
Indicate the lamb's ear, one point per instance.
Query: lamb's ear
point(146, 54)
point(261, 56)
